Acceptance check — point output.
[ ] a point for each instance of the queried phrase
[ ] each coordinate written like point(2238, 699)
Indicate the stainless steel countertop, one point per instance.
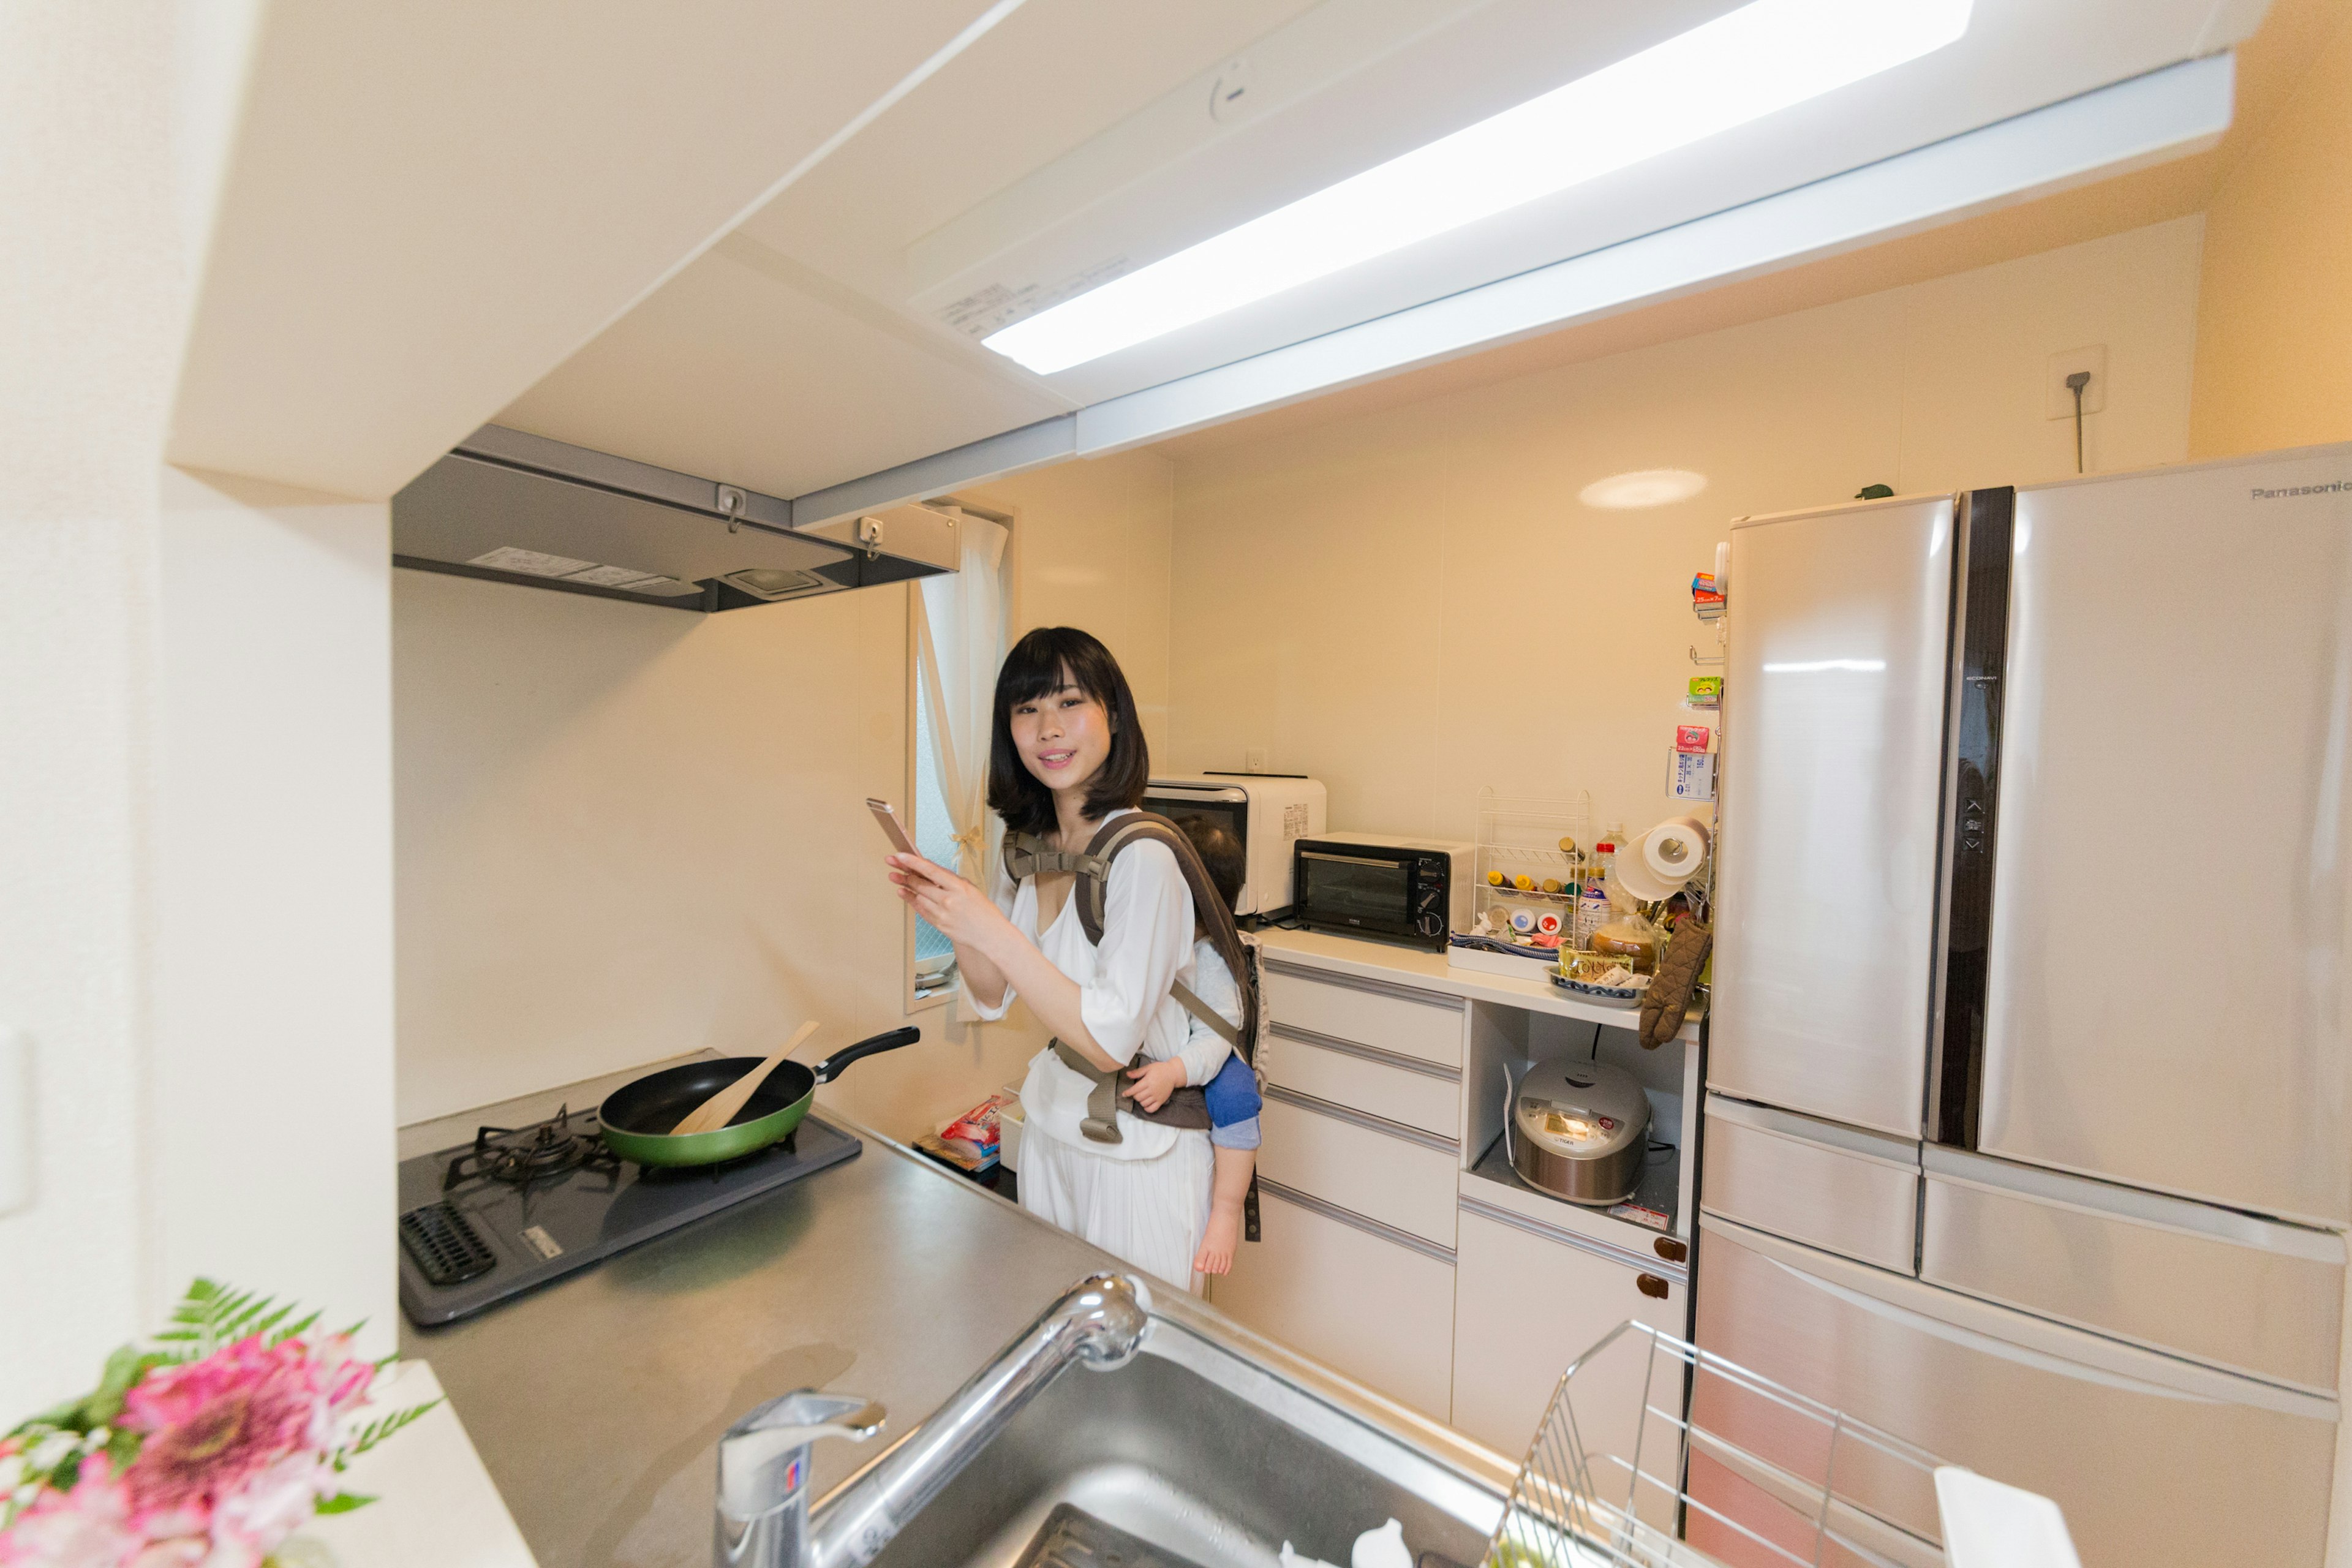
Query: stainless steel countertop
point(596, 1403)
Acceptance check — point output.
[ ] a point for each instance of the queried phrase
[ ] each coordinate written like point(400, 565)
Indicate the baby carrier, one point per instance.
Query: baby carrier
point(1027, 854)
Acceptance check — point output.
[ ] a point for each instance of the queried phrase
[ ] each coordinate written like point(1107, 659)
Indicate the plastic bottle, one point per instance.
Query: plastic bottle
point(1592, 912)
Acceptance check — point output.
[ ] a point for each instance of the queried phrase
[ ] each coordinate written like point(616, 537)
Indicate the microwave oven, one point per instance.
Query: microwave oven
point(1267, 812)
point(1413, 890)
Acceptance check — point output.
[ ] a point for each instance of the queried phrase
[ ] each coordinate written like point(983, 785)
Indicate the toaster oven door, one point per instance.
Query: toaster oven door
point(1367, 893)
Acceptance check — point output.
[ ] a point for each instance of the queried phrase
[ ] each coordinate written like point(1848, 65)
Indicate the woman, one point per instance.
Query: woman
point(1067, 753)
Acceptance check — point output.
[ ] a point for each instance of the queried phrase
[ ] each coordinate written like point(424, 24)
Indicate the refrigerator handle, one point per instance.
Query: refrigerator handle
point(1972, 802)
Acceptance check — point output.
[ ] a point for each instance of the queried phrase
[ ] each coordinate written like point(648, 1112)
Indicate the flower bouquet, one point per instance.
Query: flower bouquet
point(206, 1448)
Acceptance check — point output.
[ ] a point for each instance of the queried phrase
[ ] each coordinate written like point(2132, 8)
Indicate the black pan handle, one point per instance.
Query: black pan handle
point(831, 1067)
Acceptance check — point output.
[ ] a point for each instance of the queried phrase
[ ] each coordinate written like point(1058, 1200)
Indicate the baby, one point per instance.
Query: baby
point(1205, 1059)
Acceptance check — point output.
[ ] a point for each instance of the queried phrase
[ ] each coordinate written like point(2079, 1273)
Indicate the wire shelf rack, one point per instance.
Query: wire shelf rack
point(1619, 1477)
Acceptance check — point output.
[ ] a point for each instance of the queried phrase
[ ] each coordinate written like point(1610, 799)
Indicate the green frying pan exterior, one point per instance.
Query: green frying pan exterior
point(634, 1117)
point(731, 1142)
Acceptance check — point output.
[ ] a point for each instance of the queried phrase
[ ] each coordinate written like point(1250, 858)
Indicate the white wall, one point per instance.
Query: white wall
point(1412, 603)
point(272, 1073)
point(193, 738)
point(627, 833)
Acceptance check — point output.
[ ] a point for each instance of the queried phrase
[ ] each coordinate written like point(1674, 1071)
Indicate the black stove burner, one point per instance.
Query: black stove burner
point(520, 1207)
point(519, 1156)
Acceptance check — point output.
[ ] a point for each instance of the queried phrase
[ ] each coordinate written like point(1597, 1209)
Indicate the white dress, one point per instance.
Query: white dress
point(1146, 1199)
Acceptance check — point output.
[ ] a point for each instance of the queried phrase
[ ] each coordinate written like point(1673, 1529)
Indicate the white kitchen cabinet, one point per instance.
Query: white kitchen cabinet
point(1310, 1283)
point(1391, 1017)
point(1380, 1169)
point(1528, 1299)
point(1396, 1087)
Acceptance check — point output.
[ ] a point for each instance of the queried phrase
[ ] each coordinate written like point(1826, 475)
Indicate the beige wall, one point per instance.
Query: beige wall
point(1411, 604)
point(627, 833)
point(2275, 316)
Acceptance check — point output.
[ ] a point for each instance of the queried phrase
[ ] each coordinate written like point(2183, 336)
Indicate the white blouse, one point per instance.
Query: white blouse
point(1123, 989)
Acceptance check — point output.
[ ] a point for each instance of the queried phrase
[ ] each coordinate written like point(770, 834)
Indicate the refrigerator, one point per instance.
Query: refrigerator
point(2027, 1131)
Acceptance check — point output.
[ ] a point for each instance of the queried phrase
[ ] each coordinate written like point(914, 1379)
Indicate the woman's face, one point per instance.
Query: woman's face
point(1064, 737)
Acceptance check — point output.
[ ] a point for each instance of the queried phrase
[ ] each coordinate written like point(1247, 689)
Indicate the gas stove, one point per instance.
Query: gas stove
point(521, 1205)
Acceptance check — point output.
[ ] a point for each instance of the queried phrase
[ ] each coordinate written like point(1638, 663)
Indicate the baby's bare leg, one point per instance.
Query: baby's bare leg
point(1228, 1188)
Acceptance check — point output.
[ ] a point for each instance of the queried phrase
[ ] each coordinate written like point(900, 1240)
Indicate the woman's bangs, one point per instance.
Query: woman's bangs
point(1032, 672)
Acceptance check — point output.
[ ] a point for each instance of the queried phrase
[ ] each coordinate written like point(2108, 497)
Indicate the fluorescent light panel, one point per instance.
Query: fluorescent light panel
point(1749, 63)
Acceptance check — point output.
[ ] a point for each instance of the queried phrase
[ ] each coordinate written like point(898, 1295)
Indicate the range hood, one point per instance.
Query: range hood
point(517, 508)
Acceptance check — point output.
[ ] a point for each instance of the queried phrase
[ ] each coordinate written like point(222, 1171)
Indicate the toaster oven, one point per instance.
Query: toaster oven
point(1413, 890)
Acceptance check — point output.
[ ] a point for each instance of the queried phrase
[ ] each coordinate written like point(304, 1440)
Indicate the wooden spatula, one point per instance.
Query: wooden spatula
point(720, 1108)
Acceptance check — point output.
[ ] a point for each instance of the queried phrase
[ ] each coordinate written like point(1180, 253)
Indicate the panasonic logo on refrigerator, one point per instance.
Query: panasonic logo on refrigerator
point(2330, 488)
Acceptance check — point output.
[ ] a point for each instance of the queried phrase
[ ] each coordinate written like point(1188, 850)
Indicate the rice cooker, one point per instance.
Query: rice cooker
point(1579, 1130)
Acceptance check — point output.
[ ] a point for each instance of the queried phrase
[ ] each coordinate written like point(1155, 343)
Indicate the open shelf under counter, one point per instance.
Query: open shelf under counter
point(1428, 971)
point(1493, 1184)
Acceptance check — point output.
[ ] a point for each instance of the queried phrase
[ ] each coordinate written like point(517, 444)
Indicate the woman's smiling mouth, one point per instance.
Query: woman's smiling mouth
point(1056, 759)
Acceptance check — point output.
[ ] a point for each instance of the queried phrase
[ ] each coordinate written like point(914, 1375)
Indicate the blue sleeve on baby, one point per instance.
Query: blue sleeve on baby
point(1233, 1094)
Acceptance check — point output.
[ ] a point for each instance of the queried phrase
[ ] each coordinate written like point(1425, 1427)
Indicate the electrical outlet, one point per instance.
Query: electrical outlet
point(15, 1120)
point(1254, 760)
point(2061, 398)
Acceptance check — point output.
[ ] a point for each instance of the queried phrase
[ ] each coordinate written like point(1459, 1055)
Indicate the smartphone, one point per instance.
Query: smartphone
point(888, 818)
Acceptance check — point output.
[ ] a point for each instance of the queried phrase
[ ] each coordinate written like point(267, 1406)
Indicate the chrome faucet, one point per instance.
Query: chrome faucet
point(763, 1509)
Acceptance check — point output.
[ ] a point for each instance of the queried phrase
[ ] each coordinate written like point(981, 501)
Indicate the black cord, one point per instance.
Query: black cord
point(2074, 384)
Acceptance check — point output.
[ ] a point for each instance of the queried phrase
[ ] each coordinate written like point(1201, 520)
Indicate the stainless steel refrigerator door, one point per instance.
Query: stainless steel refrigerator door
point(2212, 1284)
point(1832, 743)
point(2172, 893)
point(2153, 1459)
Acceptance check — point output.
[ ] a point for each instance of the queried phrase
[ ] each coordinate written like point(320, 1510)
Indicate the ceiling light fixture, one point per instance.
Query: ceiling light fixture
point(1642, 487)
point(1744, 64)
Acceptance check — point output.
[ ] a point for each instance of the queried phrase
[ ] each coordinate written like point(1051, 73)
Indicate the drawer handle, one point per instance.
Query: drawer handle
point(1651, 1285)
point(1672, 1251)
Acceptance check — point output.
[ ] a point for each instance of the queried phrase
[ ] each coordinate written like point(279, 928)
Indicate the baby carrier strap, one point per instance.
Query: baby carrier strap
point(1027, 854)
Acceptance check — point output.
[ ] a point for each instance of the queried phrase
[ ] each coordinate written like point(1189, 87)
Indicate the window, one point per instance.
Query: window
point(955, 641)
point(933, 831)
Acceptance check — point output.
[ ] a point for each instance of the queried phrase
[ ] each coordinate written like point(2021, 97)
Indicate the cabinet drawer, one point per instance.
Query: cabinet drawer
point(1848, 1192)
point(1397, 1176)
point(1376, 1309)
point(1363, 1078)
point(2246, 1294)
point(1366, 1013)
point(1528, 1303)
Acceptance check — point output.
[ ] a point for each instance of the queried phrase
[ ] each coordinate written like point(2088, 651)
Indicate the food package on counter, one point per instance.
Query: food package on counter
point(976, 1131)
point(963, 1156)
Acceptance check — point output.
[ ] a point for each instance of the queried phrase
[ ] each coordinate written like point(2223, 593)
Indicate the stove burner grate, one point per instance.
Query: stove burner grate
point(521, 1156)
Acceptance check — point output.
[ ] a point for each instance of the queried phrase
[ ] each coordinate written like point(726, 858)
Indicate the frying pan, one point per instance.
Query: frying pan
point(636, 1118)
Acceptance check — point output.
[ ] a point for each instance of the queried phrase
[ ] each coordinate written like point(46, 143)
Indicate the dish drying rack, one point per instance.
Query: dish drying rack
point(1617, 1477)
point(1520, 836)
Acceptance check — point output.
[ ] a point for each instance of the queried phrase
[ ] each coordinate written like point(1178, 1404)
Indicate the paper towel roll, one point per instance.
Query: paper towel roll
point(1673, 849)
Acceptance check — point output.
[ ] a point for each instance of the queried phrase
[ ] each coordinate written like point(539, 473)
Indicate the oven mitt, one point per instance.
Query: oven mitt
point(1669, 994)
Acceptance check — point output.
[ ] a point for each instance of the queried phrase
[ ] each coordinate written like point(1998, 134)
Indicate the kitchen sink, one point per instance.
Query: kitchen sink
point(1192, 1455)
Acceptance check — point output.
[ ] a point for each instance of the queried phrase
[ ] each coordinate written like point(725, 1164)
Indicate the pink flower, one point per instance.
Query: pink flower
point(215, 1426)
point(89, 1527)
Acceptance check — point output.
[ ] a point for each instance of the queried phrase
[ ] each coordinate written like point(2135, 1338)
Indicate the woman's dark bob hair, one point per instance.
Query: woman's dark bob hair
point(1036, 666)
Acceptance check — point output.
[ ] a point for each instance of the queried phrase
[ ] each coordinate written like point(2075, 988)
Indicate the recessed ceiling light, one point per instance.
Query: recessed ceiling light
point(1642, 487)
point(1740, 66)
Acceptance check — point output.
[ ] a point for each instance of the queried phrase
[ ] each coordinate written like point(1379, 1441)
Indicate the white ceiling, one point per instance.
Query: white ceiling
point(809, 351)
point(436, 217)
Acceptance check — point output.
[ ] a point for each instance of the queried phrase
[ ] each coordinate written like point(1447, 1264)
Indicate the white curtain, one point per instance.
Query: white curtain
point(959, 640)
